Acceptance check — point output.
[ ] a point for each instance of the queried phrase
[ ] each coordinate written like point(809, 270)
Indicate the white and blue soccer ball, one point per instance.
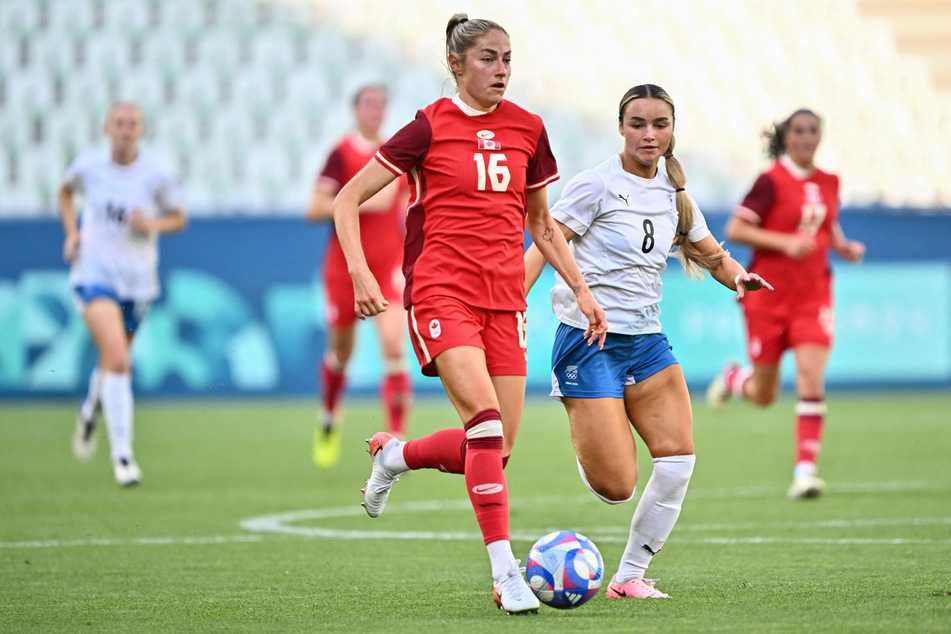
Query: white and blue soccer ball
point(564, 569)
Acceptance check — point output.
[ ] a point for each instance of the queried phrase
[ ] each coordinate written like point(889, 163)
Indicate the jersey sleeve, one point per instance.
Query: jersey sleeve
point(542, 168)
point(73, 177)
point(332, 176)
point(699, 230)
point(581, 202)
point(170, 194)
point(758, 202)
point(407, 148)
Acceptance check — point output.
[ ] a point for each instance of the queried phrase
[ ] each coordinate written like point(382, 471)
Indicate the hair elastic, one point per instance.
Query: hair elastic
point(679, 189)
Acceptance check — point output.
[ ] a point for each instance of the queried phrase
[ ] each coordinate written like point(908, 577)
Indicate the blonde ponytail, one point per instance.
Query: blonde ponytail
point(692, 259)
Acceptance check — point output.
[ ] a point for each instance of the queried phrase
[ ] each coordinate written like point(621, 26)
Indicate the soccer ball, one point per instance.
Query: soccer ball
point(564, 569)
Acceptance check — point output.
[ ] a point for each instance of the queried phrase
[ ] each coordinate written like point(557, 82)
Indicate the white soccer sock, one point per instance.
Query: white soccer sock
point(393, 457)
point(739, 380)
point(804, 469)
point(88, 408)
point(502, 558)
point(116, 396)
point(655, 515)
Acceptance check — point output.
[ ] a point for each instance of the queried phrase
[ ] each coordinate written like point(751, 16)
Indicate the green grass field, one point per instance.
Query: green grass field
point(183, 552)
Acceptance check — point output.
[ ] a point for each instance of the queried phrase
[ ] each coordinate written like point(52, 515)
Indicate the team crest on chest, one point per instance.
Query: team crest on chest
point(486, 140)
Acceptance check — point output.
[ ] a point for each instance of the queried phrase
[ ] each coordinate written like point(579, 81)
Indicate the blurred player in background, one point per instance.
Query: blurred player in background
point(477, 164)
point(381, 233)
point(130, 197)
point(622, 218)
point(791, 219)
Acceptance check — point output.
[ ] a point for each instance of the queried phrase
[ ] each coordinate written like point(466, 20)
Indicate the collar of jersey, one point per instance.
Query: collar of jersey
point(466, 108)
point(795, 170)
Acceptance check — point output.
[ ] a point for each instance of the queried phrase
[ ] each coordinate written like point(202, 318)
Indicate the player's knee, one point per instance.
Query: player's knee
point(613, 488)
point(810, 384)
point(672, 446)
point(615, 492)
point(116, 361)
point(118, 367)
point(763, 397)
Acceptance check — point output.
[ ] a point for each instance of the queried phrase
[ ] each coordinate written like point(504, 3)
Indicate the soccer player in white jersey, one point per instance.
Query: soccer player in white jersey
point(129, 198)
point(622, 220)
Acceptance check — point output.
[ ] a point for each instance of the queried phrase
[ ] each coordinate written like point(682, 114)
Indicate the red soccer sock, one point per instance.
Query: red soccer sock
point(485, 480)
point(810, 420)
point(332, 382)
point(444, 450)
point(396, 391)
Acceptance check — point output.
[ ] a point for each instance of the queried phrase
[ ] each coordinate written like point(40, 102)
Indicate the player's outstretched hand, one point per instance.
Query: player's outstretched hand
point(368, 299)
point(597, 329)
point(746, 282)
point(852, 251)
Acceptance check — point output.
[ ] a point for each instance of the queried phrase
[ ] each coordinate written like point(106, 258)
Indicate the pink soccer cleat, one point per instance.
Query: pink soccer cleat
point(638, 588)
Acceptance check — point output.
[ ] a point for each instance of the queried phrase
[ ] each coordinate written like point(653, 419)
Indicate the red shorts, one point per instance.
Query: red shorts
point(776, 324)
point(441, 323)
point(386, 267)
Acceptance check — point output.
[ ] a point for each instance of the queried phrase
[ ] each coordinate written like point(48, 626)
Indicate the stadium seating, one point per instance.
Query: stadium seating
point(245, 96)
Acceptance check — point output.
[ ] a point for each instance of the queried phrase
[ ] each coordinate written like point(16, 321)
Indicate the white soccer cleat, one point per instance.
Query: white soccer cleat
point(381, 479)
point(126, 472)
point(84, 438)
point(718, 393)
point(514, 595)
point(806, 487)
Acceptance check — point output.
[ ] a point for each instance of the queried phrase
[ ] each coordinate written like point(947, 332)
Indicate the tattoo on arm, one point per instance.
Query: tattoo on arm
point(576, 288)
point(548, 234)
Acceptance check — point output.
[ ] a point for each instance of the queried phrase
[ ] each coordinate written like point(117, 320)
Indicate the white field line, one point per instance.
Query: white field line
point(141, 541)
point(287, 524)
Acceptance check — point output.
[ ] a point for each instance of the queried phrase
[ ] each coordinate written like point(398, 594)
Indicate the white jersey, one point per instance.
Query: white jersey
point(110, 253)
point(625, 226)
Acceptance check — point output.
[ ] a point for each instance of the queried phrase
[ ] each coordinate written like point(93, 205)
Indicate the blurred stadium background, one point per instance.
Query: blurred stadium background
point(247, 97)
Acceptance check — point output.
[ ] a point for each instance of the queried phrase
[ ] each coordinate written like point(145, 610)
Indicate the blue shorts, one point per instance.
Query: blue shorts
point(133, 312)
point(582, 371)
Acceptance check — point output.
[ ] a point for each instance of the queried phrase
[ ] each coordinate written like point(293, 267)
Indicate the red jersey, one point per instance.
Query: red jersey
point(468, 178)
point(784, 201)
point(381, 217)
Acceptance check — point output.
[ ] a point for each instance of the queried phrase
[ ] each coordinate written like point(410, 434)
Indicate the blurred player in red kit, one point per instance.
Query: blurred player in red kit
point(791, 220)
point(382, 231)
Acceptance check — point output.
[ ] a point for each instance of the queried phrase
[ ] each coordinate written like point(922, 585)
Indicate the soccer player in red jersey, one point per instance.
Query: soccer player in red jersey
point(382, 232)
point(478, 166)
point(791, 220)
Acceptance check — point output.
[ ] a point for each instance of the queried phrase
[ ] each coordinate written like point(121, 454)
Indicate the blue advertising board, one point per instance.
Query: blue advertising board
point(242, 313)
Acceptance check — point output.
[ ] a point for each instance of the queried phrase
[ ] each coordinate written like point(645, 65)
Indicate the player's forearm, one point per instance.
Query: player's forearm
point(534, 265)
point(749, 234)
point(346, 209)
point(320, 207)
point(839, 241)
point(551, 239)
point(727, 272)
point(174, 222)
point(67, 212)
point(553, 248)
